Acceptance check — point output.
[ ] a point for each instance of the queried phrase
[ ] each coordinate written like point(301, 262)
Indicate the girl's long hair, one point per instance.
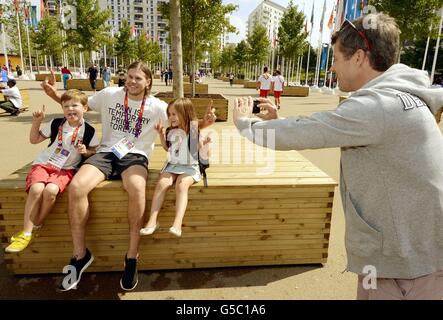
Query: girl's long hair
point(185, 111)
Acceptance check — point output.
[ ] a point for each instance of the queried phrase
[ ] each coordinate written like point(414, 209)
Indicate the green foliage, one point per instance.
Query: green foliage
point(259, 43)
point(227, 58)
point(241, 53)
point(125, 47)
point(204, 21)
point(47, 37)
point(91, 32)
point(291, 37)
point(412, 16)
point(9, 19)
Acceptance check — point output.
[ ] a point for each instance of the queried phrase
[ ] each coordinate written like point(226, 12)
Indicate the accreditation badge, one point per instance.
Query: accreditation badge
point(122, 148)
point(58, 158)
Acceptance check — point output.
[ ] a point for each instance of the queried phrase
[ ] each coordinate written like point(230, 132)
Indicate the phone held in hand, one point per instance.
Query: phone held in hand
point(256, 108)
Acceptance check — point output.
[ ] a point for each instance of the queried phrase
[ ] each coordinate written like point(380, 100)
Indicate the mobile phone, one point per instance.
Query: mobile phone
point(256, 108)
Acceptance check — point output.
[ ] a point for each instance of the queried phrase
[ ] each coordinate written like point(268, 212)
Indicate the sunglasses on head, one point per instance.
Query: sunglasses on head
point(362, 35)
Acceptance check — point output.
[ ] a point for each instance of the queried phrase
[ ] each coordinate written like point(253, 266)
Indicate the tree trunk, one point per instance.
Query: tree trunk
point(176, 45)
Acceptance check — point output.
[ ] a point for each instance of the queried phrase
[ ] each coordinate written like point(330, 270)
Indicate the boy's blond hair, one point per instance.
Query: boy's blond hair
point(75, 94)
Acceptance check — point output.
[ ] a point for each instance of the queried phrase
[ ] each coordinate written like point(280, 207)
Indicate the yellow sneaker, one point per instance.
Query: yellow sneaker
point(17, 235)
point(18, 242)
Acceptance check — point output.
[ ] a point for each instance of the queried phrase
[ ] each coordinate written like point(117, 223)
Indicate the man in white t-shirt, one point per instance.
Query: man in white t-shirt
point(128, 117)
point(278, 83)
point(14, 102)
point(264, 83)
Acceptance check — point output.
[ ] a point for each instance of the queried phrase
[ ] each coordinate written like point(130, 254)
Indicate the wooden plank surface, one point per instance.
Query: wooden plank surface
point(241, 219)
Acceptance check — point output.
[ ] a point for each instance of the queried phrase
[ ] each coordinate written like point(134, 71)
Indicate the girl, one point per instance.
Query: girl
point(182, 167)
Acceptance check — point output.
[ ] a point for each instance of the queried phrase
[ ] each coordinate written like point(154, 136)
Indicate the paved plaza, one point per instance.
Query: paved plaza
point(277, 282)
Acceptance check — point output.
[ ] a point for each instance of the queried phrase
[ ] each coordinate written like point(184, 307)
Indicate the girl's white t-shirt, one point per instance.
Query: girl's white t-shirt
point(265, 81)
point(109, 102)
point(179, 149)
point(278, 82)
point(67, 133)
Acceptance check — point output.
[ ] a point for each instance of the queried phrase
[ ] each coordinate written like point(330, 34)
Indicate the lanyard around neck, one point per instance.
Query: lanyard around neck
point(60, 133)
point(138, 125)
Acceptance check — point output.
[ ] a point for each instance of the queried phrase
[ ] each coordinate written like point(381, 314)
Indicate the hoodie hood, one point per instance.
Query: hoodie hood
point(403, 78)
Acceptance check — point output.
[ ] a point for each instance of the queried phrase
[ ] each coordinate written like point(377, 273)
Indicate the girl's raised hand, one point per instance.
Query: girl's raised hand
point(159, 127)
point(206, 140)
point(39, 115)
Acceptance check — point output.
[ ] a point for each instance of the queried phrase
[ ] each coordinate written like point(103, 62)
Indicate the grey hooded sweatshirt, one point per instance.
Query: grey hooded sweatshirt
point(391, 179)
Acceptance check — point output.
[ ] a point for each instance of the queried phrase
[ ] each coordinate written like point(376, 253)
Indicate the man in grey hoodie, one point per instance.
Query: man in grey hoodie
point(391, 179)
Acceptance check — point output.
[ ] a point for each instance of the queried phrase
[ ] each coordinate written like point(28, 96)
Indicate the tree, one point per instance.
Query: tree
point(291, 37)
point(241, 53)
point(413, 17)
point(259, 43)
point(9, 19)
point(47, 37)
point(148, 51)
point(203, 22)
point(227, 58)
point(91, 31)
point(125, 47)
point(177, 55)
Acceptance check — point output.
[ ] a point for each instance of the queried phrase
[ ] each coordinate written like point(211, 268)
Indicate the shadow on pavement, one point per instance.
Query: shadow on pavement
point(107, 285)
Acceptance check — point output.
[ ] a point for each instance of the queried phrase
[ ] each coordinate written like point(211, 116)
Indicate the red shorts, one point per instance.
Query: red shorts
point(264, 93)
point(277, 94)
point(44, 174)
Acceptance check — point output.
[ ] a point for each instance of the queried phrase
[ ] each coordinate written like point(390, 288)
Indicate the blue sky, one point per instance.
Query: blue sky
point(238, 18)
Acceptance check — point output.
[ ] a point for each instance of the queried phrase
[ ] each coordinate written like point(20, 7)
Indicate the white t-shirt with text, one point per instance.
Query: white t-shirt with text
point(109, 103)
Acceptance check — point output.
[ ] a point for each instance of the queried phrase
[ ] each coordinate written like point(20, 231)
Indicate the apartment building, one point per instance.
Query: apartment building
point(267, 14)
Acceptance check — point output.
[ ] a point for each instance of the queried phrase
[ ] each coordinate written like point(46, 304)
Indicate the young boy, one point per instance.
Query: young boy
point(71, 139)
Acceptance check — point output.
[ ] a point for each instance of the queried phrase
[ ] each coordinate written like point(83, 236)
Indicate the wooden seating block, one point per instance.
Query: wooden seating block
point(201, 102)
point(85, 85)
point(42, 77)
point(250, 84)
point(241, 219)
point(200, 88)
point(295, 91)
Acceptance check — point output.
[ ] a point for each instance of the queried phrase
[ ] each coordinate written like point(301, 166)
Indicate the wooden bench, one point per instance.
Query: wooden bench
point(241, 219)
point(200, 88)
point(85, 85)
point(42, 77)
point(201, 102)
point(250, 84)
point(298, 91)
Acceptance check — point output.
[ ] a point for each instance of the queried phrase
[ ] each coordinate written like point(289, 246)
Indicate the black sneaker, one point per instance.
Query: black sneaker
point(129, 278)
point(71, 280)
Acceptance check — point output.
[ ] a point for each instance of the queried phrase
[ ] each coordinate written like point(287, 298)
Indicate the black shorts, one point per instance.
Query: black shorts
point(112, 166)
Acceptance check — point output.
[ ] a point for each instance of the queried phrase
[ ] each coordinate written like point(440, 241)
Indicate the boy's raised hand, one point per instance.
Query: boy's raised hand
point(39, 115)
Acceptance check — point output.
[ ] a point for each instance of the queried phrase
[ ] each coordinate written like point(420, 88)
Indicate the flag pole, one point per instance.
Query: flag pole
point(31, 74)
point(19, 39)
point(437, 46)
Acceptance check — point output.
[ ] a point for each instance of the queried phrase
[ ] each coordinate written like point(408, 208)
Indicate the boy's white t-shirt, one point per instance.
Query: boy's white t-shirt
point(278, 82)
point(265, 81)
point(109, 103)
point(67, 133)
point(14, 96)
